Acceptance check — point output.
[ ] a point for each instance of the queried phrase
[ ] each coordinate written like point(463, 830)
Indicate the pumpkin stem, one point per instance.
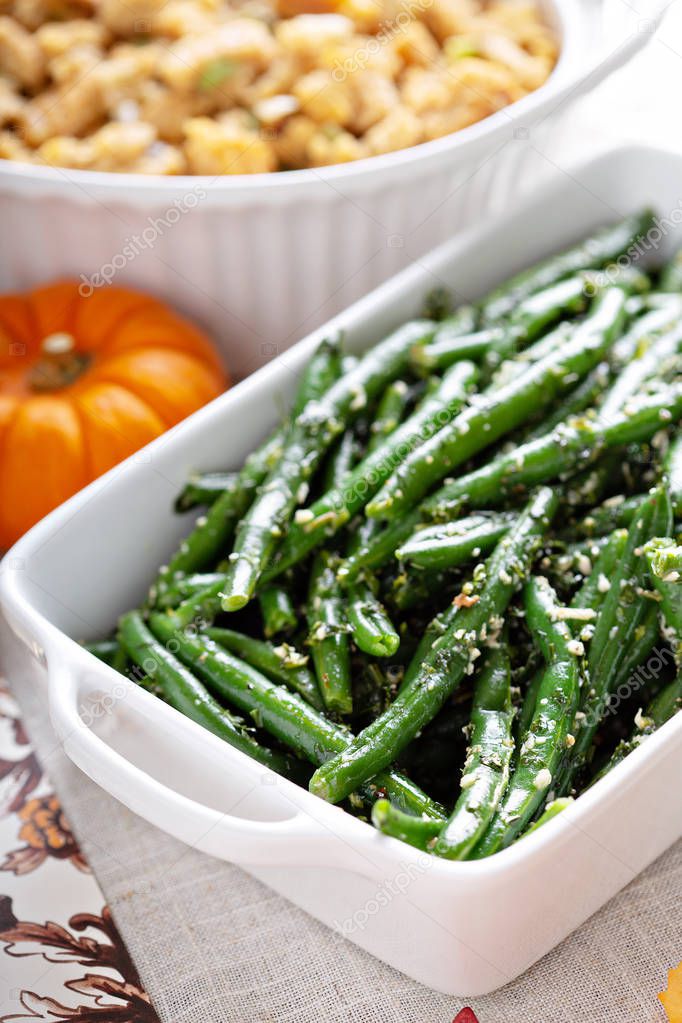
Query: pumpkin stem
point(59, 365)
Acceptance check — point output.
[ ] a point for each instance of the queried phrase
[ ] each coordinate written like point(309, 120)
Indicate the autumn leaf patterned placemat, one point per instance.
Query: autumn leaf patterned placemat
point(61, 956)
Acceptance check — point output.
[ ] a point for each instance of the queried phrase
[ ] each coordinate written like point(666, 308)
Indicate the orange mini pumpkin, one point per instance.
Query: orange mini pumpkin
point(85, 382)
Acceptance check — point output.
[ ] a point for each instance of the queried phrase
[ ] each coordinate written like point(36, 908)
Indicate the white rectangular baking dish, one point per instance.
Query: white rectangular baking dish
point(275, 255)
point(463, 928)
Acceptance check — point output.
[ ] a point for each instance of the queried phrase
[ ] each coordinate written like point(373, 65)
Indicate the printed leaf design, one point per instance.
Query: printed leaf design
point(672, 998)
point(113, 1000)
point(22, 861)
point(20, 771)
point(18, 779)
point(47, 834)
point(114, 995)
point(47, 1010)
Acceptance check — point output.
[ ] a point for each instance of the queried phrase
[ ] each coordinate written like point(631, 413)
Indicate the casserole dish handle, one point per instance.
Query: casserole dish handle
point(297, 836)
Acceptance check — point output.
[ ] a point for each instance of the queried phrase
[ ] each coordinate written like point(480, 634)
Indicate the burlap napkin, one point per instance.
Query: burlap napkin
point(213, 945)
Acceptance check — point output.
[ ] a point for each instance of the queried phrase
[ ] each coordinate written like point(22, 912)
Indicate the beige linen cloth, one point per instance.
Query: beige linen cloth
point(213, 945)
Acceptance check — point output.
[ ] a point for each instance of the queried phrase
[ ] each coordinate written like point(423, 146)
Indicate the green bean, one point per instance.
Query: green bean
point(109, 652)
point(416, 589)
point(312, 526)
point(278, 611)
point(390, 412)
point(323, 369)
point(206, 603)
point(203, 488)
point(420, 832)
point(200, 606)
point(486, 769)
point(665, 559)
point(528, 705)
point(598, 251)
point(671, 275)
point(614, 513)
point(463, 318)
point(567, 298)
point(577, 557)
point(665, 562)
point(388, 417)
point(645, 363)
point(639, 305)
point(664, 706)
point(449, 660)
point(372, 629)
point(588, 599)
point(598, 581)
point(451, 544)
point(309, 437)
point(576, 401)
point(185, 587)
point(340, 460)
point(540, 310)
point(551, 811)
point(505, 366)
point(544, 743)
point(434, 631)
point(589, 485)
point(375, 545)
point(450, 346)
point(500, 410)
point(438, 306)
point(213, 530)
point(666, 703)
point(644, 640)
point(361, 552)
point(279, 663)
point(630, 278)
point(328, 637)
point(557, 455)
point(642, 332)
point(121, 663)
point(183, 691)
point(630, 573)
point(621, 615)
point(283, 714)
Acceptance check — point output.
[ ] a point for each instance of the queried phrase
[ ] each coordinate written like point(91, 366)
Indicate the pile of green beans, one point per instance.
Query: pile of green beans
point(446, 591)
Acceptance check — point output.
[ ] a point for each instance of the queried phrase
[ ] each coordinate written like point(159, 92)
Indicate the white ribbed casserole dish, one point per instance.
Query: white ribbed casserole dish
point(463, 928)
point(274, 255)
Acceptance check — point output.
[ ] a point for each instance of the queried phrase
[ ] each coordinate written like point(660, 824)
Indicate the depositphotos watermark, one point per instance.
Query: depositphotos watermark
point(99, 704)
point(649, 671)
point(384, 895)
point(641, 246)
point(388, 30)
point(139, 243)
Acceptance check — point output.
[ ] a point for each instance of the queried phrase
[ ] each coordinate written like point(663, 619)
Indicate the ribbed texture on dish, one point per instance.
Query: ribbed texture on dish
point(261, 275)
